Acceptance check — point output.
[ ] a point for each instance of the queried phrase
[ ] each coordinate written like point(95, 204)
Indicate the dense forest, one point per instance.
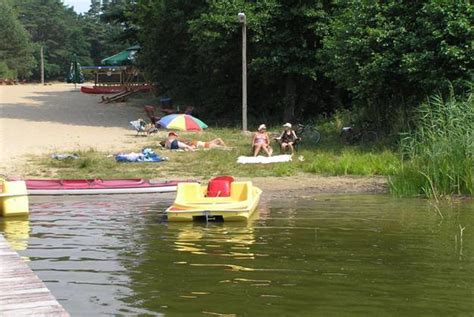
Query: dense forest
point(306, 58)
point(61, 32)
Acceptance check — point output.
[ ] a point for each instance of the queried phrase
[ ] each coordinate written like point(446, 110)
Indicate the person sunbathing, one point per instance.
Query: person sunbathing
point(215, 143)
point(261, 141)
point(173, 143)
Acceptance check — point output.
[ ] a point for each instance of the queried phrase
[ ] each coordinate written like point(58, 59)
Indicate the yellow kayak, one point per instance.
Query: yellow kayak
point(192, 202)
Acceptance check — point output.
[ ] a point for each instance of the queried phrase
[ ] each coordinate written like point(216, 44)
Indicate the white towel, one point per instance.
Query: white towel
point(263, 159)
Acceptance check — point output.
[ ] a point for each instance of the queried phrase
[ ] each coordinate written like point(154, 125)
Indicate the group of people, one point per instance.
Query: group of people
point(261, 140)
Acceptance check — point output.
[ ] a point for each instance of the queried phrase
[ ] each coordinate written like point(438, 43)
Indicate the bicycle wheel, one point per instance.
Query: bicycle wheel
point(369, 137)
point(311, 135)
point(345, 136)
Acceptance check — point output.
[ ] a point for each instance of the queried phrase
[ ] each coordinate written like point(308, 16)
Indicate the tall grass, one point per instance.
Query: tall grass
point(438, 156)
point(351, 162)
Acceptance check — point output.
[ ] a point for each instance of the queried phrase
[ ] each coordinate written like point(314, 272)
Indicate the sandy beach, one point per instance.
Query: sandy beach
point(37, 119)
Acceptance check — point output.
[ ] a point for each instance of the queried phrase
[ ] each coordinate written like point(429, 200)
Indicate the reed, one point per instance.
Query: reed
point(438, 156)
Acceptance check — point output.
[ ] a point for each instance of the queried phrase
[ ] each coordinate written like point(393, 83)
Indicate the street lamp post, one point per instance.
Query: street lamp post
point(243, 21)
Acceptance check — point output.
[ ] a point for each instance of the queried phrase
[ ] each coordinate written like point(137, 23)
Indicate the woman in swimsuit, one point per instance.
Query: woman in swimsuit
point(215, 143)
point(287, 139)
point(261, 141)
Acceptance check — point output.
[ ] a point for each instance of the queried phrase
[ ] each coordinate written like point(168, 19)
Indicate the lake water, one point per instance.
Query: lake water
point(330, 255)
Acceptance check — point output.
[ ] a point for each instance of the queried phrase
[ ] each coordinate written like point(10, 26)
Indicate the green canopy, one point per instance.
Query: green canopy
point(126, 57)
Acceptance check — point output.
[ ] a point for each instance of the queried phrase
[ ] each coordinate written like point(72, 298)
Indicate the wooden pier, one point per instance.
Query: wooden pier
point(22, 293)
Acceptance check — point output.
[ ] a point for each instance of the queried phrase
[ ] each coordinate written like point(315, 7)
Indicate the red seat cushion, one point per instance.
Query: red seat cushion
point(219, 186)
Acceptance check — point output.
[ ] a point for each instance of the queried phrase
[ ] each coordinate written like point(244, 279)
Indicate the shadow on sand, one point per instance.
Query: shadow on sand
point(73, 108)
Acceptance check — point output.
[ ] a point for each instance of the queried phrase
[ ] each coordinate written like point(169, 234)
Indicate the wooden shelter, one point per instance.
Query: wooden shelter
point(115, 75)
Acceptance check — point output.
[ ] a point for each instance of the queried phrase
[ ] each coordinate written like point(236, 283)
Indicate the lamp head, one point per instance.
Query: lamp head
point(241, 17)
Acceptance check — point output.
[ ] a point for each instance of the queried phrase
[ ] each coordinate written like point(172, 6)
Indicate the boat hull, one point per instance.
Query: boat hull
point(113, 90)
point(101, 90)
point(98, 187)
point(220, 208)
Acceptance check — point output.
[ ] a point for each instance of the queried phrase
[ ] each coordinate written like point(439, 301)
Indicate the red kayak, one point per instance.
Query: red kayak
point(102, 90)
point(98, 186)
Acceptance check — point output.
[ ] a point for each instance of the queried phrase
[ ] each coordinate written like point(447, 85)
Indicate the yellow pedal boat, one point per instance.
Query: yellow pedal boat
point(193, 203)
point(13, 198)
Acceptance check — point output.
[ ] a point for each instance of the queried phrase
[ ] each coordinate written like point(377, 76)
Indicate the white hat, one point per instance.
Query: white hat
point(287, 125)
point(261, 127)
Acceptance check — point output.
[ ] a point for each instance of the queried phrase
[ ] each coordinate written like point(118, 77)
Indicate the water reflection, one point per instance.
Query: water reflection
point(229, 240)
point(16, 231)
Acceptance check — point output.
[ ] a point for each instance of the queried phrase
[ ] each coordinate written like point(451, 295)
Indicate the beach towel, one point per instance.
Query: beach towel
point(263, 159)
point(147, 155)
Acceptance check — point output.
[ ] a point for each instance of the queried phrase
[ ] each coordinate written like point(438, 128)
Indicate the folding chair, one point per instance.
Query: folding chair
point(150, 112)
point(139, 126)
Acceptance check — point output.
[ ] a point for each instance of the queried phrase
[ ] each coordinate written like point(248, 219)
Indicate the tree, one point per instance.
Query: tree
point(193, 49)
point(58, 30)
point(391, 55)
point(15, 46)
point(122, 14)
point(167, 55)
point(103, 37)
point(305, 57)
point(287, 38)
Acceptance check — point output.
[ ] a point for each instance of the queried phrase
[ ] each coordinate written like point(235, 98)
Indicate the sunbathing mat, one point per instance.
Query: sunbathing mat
point(263, 159)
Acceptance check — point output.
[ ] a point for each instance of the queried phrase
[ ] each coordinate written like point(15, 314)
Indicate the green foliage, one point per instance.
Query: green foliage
point(193, 49)
point(121, 15)
point(6, 72)
point(62, 33)
point(305, 58)
point(103, 38)
point(167, 55)
point(439, 154)
point(351, 162)
point(58, 30)
point(15, 46)
point(393, 54)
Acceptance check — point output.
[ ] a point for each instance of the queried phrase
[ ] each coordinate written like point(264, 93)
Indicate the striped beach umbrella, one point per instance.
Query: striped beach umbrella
point(183, 122)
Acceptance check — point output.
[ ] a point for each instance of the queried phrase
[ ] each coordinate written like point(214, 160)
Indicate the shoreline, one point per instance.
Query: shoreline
point(37, 120)
point(304, 185)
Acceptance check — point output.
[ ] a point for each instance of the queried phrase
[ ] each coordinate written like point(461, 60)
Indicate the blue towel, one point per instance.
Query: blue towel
point(147, 155)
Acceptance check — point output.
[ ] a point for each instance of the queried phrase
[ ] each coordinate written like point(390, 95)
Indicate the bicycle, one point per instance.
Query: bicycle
point(308, 133)
point(352, 134)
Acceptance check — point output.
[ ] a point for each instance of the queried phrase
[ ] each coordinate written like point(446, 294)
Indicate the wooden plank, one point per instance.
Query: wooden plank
point(22, 293)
